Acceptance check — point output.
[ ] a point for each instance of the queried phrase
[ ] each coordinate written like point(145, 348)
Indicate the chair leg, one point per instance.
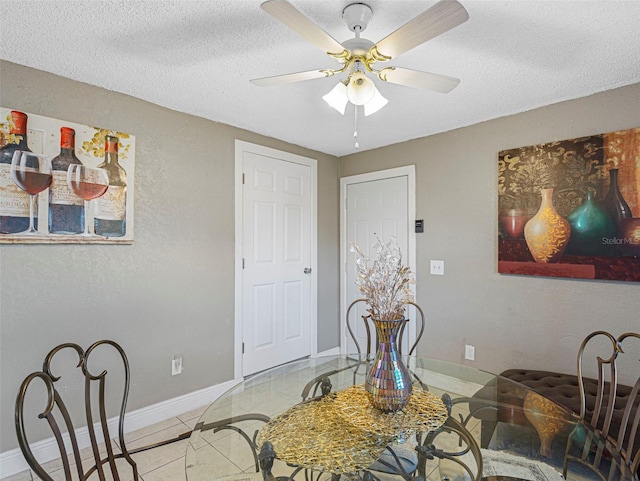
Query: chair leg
point(267, 456)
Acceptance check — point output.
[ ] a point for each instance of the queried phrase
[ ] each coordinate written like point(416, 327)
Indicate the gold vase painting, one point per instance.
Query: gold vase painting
point(547, 233)
point(566, 208)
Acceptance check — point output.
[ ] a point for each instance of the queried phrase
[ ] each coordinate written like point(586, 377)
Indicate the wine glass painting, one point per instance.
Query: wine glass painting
point(31, 173)
point(88, 183)
point(40, 204)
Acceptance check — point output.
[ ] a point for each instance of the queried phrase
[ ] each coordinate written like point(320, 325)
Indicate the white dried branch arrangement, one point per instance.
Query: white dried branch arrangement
point(385, 284)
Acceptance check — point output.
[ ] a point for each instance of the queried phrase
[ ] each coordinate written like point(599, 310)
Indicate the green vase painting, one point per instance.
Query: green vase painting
point(590, 227)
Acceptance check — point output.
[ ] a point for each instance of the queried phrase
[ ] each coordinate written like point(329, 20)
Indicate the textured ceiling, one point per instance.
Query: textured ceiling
point(198, 56)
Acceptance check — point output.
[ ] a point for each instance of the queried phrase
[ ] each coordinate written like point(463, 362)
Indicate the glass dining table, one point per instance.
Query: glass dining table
point(312, 420)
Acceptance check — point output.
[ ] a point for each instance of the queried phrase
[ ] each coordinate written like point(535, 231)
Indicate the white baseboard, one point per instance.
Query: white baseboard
point(329, 352)
point(12, 462)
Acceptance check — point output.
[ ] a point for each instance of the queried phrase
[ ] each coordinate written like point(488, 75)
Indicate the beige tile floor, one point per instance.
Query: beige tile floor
point(159, 464)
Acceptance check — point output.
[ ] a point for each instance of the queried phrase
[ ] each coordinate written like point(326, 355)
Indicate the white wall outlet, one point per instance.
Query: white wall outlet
point(469, 352)
point(176, 365)
point(436, 268)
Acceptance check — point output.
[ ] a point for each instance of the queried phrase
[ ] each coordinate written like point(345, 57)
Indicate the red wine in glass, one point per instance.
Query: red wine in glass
point(88, 183)
point(32, 173)
point(32, 182)
point(88, 190)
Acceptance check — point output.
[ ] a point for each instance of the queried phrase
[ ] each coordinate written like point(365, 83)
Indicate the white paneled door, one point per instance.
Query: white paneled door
point(276, 251)
point(375, 209)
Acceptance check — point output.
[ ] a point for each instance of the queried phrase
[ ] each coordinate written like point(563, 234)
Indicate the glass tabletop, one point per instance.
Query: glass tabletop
point(310, 420)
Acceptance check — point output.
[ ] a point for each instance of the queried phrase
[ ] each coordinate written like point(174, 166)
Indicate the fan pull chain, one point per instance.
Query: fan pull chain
point(357, 31)
point(355, 125)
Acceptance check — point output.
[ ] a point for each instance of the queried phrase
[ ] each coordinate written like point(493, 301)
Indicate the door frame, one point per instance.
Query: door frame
point(242, 146)
point(410, 172)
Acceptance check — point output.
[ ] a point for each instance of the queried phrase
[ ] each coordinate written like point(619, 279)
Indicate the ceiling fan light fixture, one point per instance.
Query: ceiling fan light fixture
point(375, 104)
point(337, 98)
point(357, 54)
point(361, 88)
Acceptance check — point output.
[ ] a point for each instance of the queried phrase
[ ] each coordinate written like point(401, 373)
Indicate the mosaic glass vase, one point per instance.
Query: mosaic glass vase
point(388, 381)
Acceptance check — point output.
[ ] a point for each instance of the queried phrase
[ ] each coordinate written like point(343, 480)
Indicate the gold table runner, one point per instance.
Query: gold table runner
point(343, 433)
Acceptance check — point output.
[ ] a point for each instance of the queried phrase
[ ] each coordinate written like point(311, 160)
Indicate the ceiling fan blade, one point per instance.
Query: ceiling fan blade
point(291, 77)
point(286, 13)
point(418, 80)
point(436, 20)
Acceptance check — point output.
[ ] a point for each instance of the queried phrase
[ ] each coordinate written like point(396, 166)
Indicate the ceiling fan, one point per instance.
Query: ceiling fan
point(358, 55)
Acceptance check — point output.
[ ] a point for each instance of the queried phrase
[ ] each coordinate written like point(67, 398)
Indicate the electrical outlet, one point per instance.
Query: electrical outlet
point(176, 365)
point(437, 268)
point(469, 352)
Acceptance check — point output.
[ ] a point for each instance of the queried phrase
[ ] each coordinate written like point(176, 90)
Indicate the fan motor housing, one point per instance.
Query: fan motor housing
point(358, 46)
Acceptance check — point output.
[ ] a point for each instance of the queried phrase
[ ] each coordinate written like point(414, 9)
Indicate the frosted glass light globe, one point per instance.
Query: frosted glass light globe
point(360, 89)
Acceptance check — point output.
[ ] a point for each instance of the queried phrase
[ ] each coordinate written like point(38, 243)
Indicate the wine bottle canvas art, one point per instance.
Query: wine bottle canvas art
point(571, 208)
point(89, 190)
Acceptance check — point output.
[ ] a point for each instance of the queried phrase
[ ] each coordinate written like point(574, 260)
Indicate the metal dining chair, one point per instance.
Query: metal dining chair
point(607, 439)
point(88, 404)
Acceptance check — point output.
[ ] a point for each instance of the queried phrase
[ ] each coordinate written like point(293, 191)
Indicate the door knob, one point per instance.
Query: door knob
point(307, 270)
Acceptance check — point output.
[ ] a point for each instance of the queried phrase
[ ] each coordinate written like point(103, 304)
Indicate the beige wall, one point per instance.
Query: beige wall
point(514, 321)
point(172, 290)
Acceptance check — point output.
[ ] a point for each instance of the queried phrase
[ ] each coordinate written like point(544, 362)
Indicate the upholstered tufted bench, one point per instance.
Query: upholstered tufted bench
point(561, 388)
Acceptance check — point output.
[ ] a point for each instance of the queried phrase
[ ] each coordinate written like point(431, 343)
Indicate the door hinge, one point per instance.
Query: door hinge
point(243, 178)
point(243, 262)
point(243, 348)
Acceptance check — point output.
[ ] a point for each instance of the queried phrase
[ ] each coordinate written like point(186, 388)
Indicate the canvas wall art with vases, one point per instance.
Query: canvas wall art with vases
point(571, 208)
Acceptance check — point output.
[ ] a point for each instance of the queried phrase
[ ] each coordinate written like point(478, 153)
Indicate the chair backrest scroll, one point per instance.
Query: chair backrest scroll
point(609, 406)
point(60, 422)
